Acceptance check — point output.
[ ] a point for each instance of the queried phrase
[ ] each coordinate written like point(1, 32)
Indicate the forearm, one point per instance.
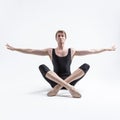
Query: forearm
point(26, 51)
point(29, 51)
point(99, 50)
point(94, 51)
point(32, 51)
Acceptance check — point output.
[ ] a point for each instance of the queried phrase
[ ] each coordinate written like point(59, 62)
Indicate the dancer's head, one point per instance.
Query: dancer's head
point(60, 37)
point(62, 33)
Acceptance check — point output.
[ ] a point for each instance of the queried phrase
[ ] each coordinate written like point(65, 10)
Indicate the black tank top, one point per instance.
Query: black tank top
point(61, 65)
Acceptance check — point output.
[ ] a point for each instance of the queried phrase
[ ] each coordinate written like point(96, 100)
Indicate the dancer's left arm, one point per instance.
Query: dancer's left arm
point(93, 51)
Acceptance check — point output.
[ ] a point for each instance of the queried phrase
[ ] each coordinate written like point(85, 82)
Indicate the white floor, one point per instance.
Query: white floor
point(27, 100)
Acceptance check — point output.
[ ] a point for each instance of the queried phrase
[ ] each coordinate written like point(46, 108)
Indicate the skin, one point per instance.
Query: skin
point(61, 51)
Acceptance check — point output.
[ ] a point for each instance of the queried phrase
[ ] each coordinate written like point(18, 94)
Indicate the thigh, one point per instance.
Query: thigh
point(85, 67)
point(44, 69)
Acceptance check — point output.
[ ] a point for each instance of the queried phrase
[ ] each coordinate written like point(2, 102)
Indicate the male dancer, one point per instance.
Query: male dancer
point(61, 57)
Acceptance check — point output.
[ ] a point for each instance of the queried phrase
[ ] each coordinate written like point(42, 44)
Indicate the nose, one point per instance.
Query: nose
point(61, 37)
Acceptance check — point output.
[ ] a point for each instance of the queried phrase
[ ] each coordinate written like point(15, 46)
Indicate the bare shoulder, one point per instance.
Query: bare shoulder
point(76, 52)
point(49, 50)
point(72, 52)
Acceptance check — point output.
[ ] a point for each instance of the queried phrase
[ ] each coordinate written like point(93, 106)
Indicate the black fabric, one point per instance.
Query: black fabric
point(85, 67)
point(61, 66)
point(44, 69)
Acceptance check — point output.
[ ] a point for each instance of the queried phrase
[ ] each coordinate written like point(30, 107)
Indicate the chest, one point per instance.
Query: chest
point(61, 53)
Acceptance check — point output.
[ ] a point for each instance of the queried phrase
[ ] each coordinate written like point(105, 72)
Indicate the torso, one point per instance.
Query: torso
point(61, 62)
point(61, 53)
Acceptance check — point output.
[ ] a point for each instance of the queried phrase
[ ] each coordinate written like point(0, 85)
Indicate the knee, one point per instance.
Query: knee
point(43, 69)
point(85, 67)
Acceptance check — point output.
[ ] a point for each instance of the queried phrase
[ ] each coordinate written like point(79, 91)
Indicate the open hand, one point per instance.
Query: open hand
point(9, 47)
point(113, 48)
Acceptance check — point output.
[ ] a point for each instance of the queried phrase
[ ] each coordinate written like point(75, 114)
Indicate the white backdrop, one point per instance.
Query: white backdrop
point(33, 24)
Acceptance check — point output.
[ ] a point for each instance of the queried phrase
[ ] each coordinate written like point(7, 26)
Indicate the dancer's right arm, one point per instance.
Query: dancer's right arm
point(42, 52)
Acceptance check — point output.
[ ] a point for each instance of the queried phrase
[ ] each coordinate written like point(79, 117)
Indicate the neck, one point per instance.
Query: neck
point(61, 47)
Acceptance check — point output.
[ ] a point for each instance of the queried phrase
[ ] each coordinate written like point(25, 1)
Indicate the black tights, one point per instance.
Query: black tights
point(44, 69)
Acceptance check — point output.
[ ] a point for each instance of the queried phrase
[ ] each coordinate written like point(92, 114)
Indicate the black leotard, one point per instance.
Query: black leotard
point(61, 65)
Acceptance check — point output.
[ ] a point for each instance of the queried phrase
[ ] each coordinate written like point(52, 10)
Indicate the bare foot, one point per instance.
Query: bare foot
point(52, 92)
point(75, 93)
point(56, 89)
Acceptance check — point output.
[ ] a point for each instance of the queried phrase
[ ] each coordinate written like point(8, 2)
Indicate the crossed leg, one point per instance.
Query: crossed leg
point(49, 75)
point(53, 76)
point(75, 75)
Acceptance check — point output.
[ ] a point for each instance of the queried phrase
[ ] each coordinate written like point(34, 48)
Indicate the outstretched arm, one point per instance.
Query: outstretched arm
point(93, 51)
point(29, 51)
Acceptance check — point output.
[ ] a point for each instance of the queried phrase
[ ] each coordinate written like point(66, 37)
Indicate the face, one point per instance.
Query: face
point(60, 37)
